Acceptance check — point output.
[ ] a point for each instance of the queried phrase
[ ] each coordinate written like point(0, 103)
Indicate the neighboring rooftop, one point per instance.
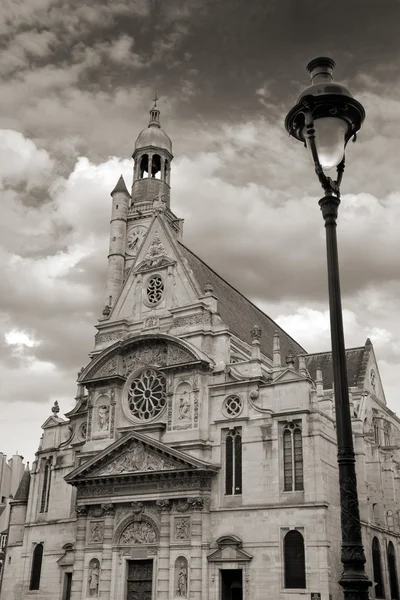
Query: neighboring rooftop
point(22, 493)
point(355, 359)
point(237, 312)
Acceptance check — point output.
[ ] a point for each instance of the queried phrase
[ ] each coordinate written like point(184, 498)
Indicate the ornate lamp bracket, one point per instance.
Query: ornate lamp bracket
point(329, 186)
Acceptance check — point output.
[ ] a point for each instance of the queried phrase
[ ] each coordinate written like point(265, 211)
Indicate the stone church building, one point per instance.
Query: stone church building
point(199, 461)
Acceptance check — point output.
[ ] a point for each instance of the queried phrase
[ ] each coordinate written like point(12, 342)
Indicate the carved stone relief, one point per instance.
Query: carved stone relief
point(202, 318)
point(96, 532)
point(137, 458)
point(182, 528)
point(114, 336)
point(138, 532)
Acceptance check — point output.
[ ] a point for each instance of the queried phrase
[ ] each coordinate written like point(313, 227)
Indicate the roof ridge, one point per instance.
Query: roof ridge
point(330, 351)
point(242, 295)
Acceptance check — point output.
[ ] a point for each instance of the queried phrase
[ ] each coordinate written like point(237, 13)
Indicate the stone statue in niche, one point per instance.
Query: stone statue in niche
point(181, 577)
point(182, 528)
point(184, 407)
point(93, 578)
point(103, 417)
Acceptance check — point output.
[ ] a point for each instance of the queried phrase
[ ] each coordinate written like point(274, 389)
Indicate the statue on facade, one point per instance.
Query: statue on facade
point(184, 406)
point(181, 589)
point(103, 417)
point(94, 576)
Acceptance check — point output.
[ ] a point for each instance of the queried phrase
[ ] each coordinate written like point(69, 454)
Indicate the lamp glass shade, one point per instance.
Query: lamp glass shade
point(330, 141)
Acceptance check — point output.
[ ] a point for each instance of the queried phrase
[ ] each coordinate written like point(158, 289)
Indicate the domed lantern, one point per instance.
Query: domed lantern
point(325, 118)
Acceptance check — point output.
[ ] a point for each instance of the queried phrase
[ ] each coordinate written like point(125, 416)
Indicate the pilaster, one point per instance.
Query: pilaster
point(106, 561)
point(163, 552)
point(77, 579)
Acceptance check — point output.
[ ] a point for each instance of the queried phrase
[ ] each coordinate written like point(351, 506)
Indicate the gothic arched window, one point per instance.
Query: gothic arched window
point(44, 501)
point(233, 462)
point(294, 560)
point(292, 458)
point(394, 584)
point(36, 567)
point(377, 567)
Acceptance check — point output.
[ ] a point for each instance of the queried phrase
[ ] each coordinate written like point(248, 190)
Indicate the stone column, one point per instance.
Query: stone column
point(163, 551)
point(150, 164)
point(205, 546)
point(77, 577)
point(106, 560)
point(195, 567)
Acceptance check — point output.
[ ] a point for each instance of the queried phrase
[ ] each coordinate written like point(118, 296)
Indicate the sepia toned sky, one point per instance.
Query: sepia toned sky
point(76, 83)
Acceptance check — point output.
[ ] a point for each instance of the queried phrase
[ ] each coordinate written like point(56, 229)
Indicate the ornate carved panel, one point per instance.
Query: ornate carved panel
point(138, 457)
point(182, 528)
point(96, 532)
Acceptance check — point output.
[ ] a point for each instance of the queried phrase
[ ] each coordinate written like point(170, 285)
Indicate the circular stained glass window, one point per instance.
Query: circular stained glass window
point(155, 289)
point(147, 395)
point(233, 406)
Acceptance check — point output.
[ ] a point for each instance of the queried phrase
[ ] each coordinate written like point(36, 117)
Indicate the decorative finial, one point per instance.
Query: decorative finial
point(55, 409)
point(255, 333)
point(208, 289)
point(107, 310)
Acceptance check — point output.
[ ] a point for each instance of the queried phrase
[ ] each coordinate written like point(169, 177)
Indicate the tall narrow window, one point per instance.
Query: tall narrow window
point(44, 501)
point(386, 434)
point(294, 560)
point(375, 426)
point(292, 458)
point(377, 567)
point(36, 567)
point(394, 584)
point(233, 462)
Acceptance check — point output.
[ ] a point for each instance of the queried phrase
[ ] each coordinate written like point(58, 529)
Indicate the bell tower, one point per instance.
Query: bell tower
point(152, 162)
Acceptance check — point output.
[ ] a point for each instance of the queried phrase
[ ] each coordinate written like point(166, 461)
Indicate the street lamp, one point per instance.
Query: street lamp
point(325, 118)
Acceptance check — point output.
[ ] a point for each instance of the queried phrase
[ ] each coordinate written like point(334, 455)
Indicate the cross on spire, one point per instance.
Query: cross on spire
point(155, 99)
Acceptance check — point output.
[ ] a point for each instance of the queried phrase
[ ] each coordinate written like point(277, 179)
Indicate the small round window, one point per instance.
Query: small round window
point(233, 406)
point(155, 289)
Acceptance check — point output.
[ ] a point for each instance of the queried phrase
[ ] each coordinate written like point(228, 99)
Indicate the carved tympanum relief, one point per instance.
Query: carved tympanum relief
point(93, 578)
point(138, 532)
point(137, 458)
point(159, 353)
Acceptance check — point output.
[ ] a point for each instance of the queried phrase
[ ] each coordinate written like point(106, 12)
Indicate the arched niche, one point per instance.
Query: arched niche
point(183, 409)
point(101, 418)
point(181, 577)
point(93, 578)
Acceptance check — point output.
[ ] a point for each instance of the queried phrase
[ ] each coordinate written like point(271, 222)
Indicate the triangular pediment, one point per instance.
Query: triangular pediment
point(288, 375)
point(158, 255)
point(136, 454)
point(52, 422)
point(370, 378)
point(229, 550)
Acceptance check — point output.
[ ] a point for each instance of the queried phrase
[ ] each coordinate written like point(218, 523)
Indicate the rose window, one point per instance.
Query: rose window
point(155, 289)
point(146, 395)
point(233, 406)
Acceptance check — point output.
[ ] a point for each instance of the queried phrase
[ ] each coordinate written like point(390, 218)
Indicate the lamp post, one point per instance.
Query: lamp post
point(325, 118)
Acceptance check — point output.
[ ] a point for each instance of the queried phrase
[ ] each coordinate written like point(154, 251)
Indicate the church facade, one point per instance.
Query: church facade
point(199, 461)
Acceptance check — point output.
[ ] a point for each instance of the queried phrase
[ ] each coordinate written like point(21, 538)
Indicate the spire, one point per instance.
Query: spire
point(120, 187)
point(154, 113)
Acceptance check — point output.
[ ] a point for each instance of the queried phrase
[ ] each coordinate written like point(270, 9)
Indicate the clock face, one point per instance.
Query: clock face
point(135, 238)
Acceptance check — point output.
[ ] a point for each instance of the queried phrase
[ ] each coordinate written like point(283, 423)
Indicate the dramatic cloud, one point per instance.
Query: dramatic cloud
point(76, 85)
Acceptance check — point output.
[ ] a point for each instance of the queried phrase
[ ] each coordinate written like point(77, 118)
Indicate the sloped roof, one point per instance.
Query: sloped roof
point(22, 493)
point(323, 360)
point(237, 312)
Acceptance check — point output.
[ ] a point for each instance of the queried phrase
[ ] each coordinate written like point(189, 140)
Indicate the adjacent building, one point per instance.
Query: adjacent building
point(200, 458)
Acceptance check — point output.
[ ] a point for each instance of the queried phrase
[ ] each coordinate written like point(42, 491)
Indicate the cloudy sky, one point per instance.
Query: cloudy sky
point(76, 82)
